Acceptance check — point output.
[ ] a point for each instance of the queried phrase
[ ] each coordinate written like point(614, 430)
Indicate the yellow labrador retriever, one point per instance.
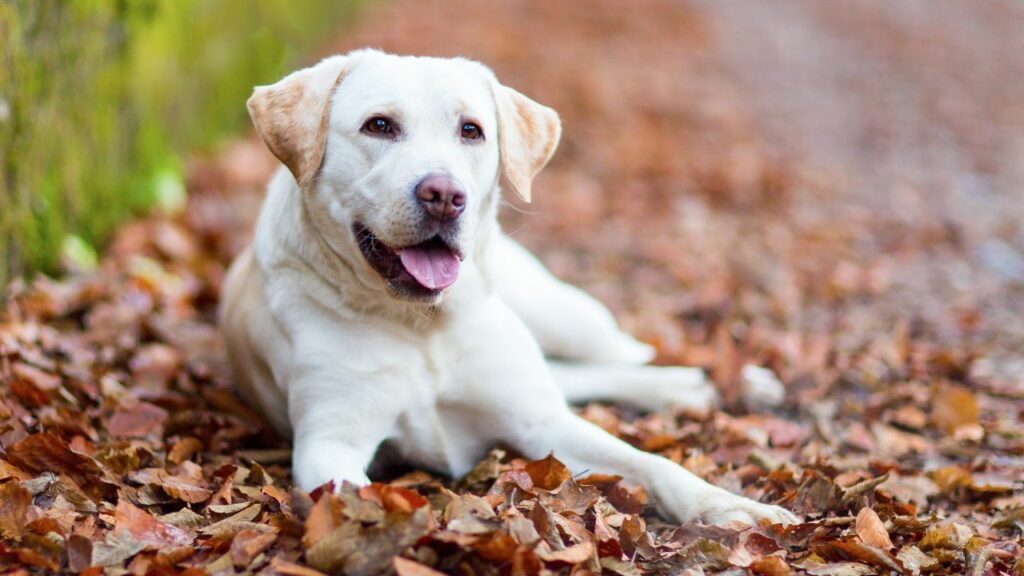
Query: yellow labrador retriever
point(381, 301)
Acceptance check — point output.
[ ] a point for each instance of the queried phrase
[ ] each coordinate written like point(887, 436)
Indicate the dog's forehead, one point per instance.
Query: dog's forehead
point(397, 80)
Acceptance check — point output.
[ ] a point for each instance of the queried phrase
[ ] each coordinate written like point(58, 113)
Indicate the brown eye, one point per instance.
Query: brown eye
point(471, 131)
point(378, 125)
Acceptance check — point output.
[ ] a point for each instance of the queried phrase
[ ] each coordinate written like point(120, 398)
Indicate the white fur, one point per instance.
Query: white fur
point(333, 358)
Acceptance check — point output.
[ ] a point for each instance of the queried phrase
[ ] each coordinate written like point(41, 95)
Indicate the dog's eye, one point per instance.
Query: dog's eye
point(378, 125)
point(471, 131)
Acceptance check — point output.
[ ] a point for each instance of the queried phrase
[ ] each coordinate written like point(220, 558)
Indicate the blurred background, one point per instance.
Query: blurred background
point(103, 101)
point(836, 175)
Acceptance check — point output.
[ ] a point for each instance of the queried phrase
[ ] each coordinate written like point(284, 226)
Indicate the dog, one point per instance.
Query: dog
point(380, 301)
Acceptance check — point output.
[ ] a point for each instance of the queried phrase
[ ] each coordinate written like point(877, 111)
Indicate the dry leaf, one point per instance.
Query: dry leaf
point(952, 407)
point(143, 527)
point(14, 506)
point(871, 529)
point(547, 473)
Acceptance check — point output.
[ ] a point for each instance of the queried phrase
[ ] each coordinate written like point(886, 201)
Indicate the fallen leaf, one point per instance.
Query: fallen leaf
point(247, 544)
point(79, 550)
point(325, 516)
point(547, 473)
point(46, 452)
point(913, 559)
point(142, 419)
point(770, 566)
point(951, 535)
point(184, 449)
point(857, 551)
point(574, 554)
point(360, 551)
point(14, 506)
point(953, 406)
point(840, 569)
point(406, 567)
point(871, 529)
point(115, 549)
point(144, 528)
point(285, 568)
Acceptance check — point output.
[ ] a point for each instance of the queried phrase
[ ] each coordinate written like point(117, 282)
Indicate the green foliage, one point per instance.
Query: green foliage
point(101, 99)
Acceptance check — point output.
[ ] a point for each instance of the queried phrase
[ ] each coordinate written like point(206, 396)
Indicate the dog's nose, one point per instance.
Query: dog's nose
point(441, 197)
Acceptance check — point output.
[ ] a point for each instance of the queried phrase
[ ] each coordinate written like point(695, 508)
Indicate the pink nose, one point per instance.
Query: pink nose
point(441, 197)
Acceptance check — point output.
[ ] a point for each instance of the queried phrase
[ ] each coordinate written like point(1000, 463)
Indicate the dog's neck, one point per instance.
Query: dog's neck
point(291, 237)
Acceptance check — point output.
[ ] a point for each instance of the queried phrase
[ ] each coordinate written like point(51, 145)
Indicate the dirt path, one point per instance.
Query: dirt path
point(831, 192)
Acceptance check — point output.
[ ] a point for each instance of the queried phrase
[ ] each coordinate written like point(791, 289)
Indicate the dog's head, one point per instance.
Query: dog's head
point(399, 158)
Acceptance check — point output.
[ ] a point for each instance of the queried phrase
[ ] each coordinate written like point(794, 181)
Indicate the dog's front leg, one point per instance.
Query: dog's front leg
point(678, 493)
point(339, 421)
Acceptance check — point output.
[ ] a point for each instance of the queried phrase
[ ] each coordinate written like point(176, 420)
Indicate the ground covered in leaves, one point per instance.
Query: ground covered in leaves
point(831, 194)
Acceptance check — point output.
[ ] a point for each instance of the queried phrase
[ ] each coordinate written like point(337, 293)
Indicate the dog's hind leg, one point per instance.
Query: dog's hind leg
point(567, 322)
point(647, 387)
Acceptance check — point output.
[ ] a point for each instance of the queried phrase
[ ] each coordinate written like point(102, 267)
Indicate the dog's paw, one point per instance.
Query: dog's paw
point(629, 350)
point(761, 388)
point(677, 388)
point(746, 511)
point(690, 499)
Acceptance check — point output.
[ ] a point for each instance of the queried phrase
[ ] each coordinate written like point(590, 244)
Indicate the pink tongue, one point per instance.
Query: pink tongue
point(434, 267)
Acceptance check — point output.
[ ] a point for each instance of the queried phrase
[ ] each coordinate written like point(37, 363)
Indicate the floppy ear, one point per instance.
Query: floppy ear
point(291, 116)
point(528, 134)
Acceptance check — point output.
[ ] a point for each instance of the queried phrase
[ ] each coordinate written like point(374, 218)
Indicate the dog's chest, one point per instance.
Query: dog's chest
point(435, 430)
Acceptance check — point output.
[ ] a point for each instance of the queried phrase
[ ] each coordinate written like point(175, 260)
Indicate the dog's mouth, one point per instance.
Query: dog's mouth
point(424, 269)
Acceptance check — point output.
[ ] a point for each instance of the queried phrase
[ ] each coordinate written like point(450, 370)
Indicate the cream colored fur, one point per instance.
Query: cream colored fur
point(341, 363)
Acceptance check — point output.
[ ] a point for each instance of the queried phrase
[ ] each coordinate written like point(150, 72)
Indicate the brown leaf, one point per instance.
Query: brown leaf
point(286, 568)
point(145, 528)
point(953, 406)
point(817, 495)
point(914, 560)
point(248, 544)
point(840, 569)
point(469, 514)
point(547, 473)
point(635, 540)
point(184, 449)
point(243, 520)
point(79, 550)
point(360, 551)
point(871, 530)
point(141, 420)
point(628, 500)
point(575, 554)
point(46, 452)
point(406, 567)
point(950, 536)
point(949, 478)
point(770, 566)
point(15, 502)
point(393, 498)
point(857, 551)
point(39, 379)
point(325, 516)
point(526, 562)
point(618, 566)
point(185, 486)
point(496, 547)
point(705, 553)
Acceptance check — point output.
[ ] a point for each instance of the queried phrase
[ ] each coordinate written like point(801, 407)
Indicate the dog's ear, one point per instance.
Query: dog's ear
point(528, 134)
point(291, 116)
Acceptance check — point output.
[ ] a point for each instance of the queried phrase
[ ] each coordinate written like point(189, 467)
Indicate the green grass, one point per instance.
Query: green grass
point(101, 100)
